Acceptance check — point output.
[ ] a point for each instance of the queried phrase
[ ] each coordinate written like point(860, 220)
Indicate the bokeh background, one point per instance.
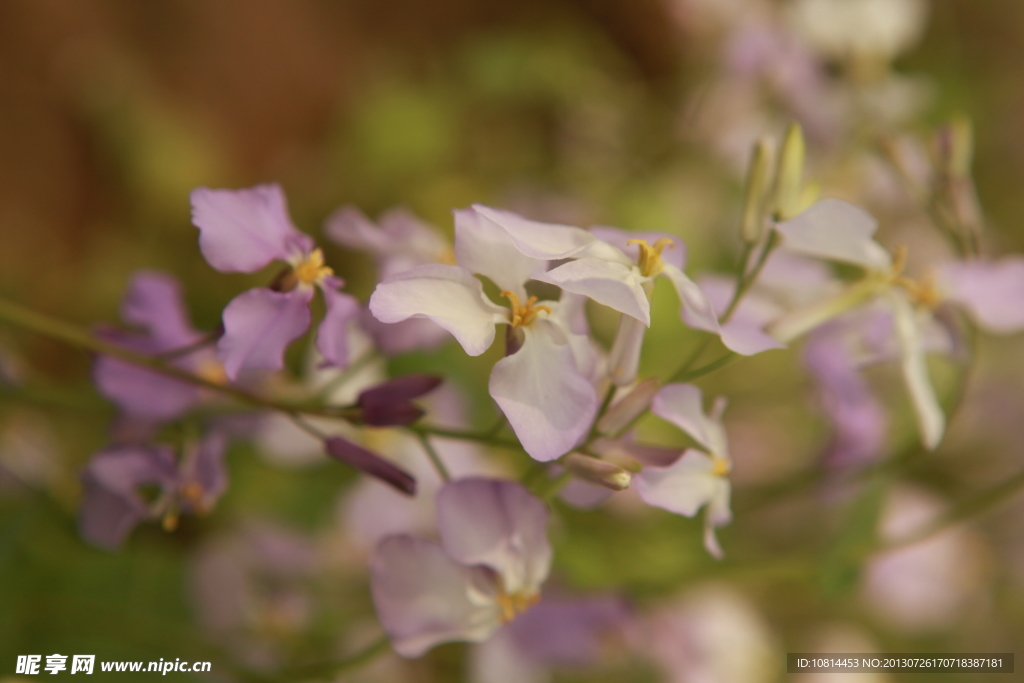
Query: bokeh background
point(580, 111)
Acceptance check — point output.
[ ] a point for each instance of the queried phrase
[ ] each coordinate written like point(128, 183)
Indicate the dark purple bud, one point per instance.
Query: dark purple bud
point(391, 414)
point(370, 463)
point(398, 390)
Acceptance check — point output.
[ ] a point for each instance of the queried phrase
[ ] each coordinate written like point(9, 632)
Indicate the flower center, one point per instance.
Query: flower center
point(649, 260)
point(515, 604)
point(923, 292)
point(311, 269)
point(720, 467)
point(524, 313)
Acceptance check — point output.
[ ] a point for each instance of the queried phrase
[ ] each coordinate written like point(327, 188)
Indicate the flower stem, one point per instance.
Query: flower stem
point(435, 459)
point(18, 316)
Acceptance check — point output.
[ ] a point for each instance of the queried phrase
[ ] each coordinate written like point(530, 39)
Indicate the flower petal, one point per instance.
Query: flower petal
point(424, 598)
point(612, 284)
point(930, 420)
point(837, 231)
point(484, 248)
point(498, 524)
point(549, 404)
point(154, 302)
point(137, 391)
point(546, 241)
point(447, 295)
point(258, 326)
point(682, 405)
point(240, 231)
point(682, 488)
point(110, 505)
point(993, 292)
point(332, 336)
point(697, 310)
point(717, 514)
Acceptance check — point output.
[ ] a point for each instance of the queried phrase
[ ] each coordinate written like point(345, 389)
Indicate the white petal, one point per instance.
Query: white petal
point(547, 241)
point(930, 419)
point(682, 405)
point(424, 598)
point(624, 358)
point(717, 514)
point(682, 488)
point(447, 295)
point(697, 310)
point(549, 404)
point(498, 524)
point(484, 248)
point(838, 231)
point(612, 284)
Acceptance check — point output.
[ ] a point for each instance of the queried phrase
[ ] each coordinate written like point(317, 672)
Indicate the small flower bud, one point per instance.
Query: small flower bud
point(598, 472)
point(389, 404)
point(789, 178)
point(955, 147)
point(630, 407)
point(370, 463)
point(758, 177)
point(624, 357)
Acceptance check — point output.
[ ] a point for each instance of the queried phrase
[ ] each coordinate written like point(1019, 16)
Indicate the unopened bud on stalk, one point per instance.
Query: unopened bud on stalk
point(630, 407)
point(594, 471)
point(758, 177)
point(955, 147)
point(370, 463)
point(789, 178)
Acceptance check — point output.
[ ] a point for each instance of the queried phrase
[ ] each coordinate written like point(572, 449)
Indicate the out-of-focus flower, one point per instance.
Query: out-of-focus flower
point(154, 303)
point(558, 633)
point(857, 416)
point(841, 637)
point(493, 558)
point(711, 635)
point(861, 30)
point(696, 478)
point(398, 242)
point(930, 584)
point(241, 231)
point(251, 590)
point(837, 231)
point(112, 504)
point(543, 385)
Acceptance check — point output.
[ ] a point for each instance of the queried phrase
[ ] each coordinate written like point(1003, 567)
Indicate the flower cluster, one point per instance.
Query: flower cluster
point(568, 401)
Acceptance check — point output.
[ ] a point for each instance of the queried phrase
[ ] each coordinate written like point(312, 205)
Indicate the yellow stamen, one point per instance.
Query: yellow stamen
point(720, 467)
point(170, 520)
point(447, 257)
point(311, 269)
point(523, 313)
point(924, 292)
point(515, 604)
point(212, 370)
point(650, 256)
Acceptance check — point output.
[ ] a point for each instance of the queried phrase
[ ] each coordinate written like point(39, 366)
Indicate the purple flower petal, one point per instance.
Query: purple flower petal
point(674, 255)
point(258, 326)
point(241, 231)
point(613, 284)
point(484, 248)
point(332, 335)
point(423, 597)
point(993, 292)
point(154, 302)
point(498, 524)
point(137, 391)
point(205, 467)
point(111, 507)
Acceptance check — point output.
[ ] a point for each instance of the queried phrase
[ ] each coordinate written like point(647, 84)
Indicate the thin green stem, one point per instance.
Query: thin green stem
point(72, 335)
point(182, 351)
point(435, 459)
point(479, 437)
point(691, 375)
